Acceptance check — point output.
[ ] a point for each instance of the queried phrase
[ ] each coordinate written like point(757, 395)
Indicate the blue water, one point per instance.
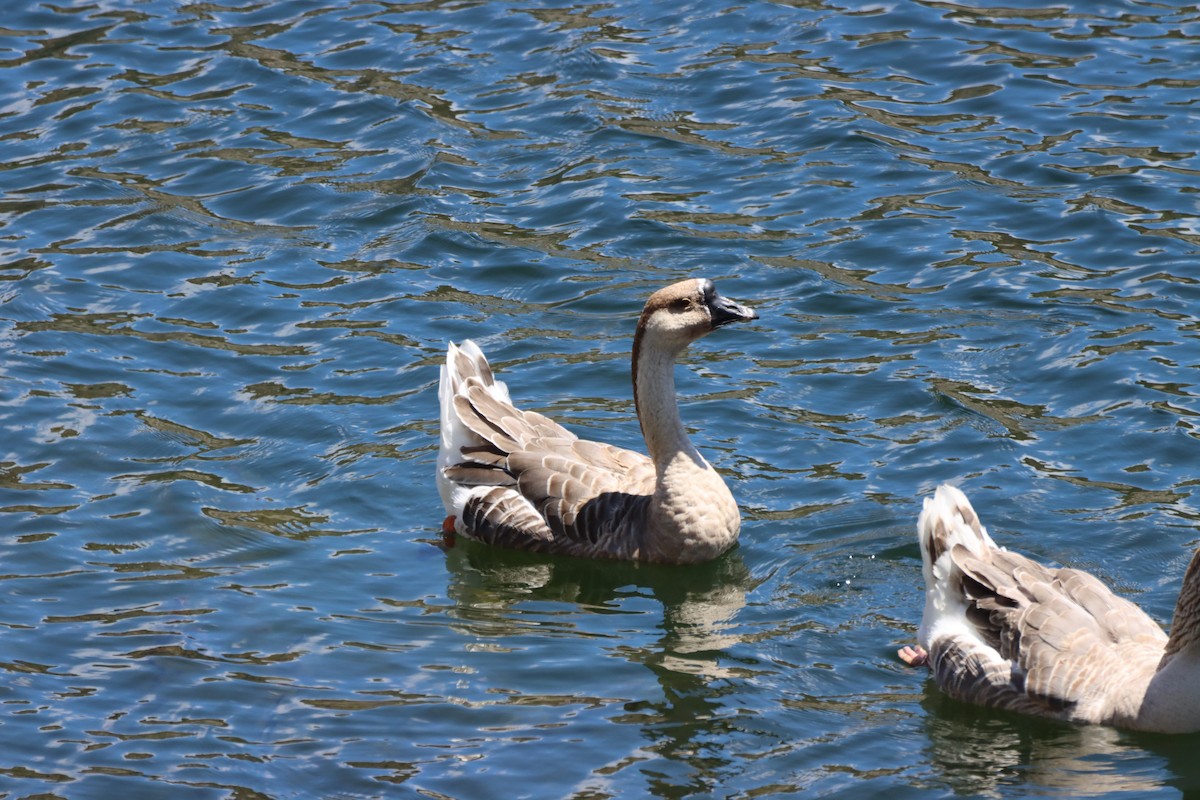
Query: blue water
point(235, 238)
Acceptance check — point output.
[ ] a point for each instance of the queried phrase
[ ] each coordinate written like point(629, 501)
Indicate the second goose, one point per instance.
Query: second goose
point(518, 479)
point(1002, 630)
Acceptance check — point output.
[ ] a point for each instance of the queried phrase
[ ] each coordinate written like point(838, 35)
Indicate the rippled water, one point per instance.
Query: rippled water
point(235, 239)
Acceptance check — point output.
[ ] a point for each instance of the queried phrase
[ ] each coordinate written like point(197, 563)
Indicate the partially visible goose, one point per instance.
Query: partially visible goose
point(1001, 630)
point(518, 479)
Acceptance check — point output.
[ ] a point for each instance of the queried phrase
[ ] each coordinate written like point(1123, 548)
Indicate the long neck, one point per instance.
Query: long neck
point(1185, 625)
point(657, 406)
point(691, 517)
point(1172, 700)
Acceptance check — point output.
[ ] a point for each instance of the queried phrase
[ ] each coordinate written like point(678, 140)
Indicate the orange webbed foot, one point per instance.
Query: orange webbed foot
point(913, 656)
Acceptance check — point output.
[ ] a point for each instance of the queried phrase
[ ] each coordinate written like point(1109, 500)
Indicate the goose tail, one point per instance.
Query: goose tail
point(464, 362)
point(947, 520)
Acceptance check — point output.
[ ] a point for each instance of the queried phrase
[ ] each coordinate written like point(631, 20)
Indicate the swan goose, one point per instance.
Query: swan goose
point(1001, 630)
point(518, 479)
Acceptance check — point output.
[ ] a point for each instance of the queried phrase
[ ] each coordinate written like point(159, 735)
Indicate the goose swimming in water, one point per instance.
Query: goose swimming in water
point(518, 479)
point(1001, 630)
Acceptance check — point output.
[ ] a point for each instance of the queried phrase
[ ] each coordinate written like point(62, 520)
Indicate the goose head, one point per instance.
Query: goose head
point(681, 313)
point(673, 318)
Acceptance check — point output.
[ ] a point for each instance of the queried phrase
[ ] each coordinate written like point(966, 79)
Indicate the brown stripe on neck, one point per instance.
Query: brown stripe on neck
point(656, 302)
point(638, 336)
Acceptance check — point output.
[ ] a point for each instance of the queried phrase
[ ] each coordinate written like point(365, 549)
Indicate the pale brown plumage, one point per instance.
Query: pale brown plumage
point(1002, 630)
point(518, 479)
point(579, 492)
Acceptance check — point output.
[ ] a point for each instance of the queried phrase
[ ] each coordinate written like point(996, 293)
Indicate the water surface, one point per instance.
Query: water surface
point(235, 238)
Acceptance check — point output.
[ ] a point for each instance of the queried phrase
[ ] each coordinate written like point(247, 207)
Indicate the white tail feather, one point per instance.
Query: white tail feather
point(947, 519)
point(454, 433)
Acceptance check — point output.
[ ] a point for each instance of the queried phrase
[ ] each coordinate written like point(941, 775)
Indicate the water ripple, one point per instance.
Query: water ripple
point(235, 239)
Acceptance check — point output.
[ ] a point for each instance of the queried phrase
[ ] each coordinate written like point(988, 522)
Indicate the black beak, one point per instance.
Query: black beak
point(725, 311)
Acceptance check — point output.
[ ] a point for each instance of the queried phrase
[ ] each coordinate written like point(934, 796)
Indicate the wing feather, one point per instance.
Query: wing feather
point(1056, 628)
point(564, 493)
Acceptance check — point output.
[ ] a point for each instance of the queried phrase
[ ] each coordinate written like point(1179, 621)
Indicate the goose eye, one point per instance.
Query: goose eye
point(680, 305)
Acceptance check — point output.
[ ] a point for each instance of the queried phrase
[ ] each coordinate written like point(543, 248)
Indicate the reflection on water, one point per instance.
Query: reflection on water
point(1078, 761)
point(676, 629)
point(696, 615)
point(234, 240)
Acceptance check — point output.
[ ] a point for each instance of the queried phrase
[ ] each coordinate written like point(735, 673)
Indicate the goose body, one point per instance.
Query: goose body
point(518, 479)
point(1002, 630)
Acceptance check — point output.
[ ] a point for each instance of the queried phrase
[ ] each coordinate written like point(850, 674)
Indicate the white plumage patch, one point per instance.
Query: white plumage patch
point(947, 519)
point(455, 435)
